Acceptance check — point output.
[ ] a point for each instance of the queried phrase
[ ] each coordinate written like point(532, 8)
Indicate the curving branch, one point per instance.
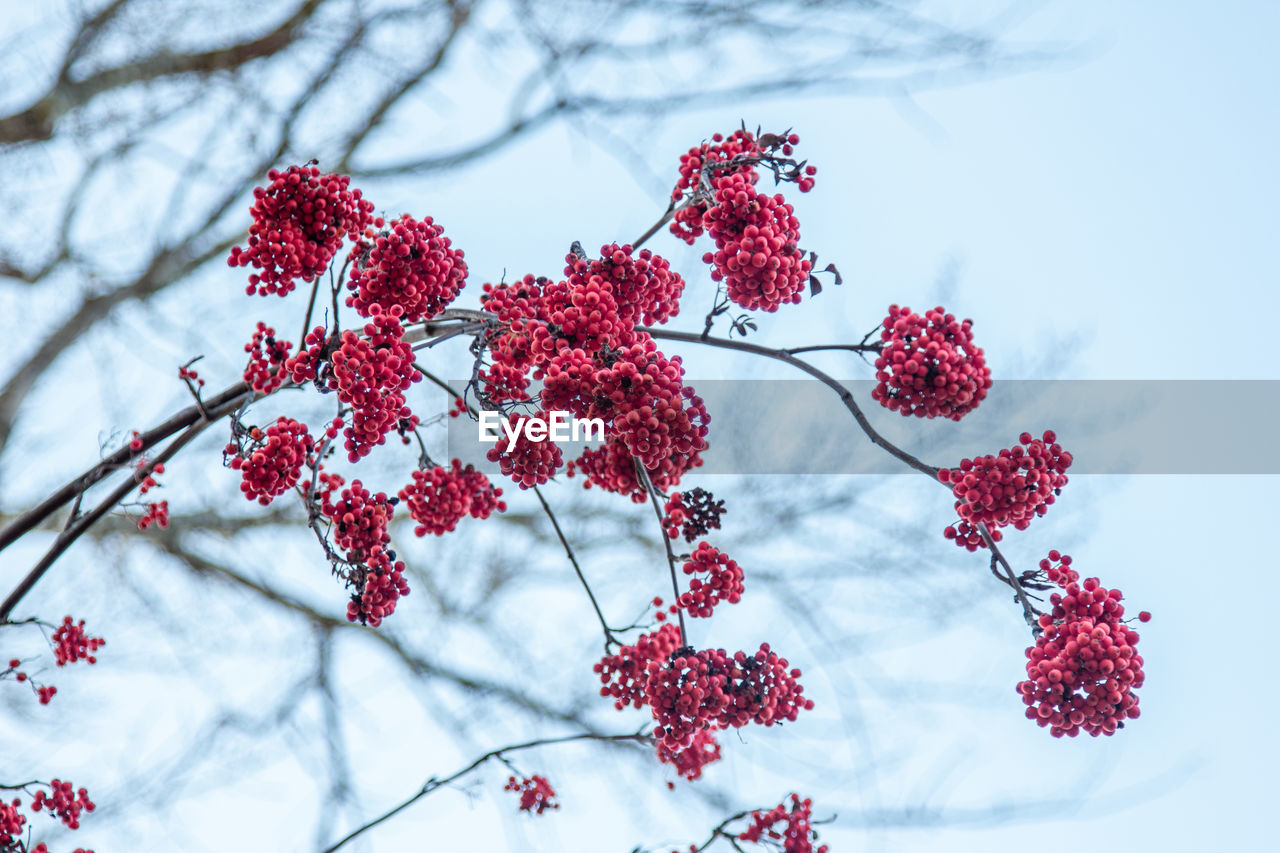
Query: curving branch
point(434, 784)
point(1029, 612)
point(77, 527)
point(647, 483)
point(228, 399)
point(36, 122)
point(845, 395)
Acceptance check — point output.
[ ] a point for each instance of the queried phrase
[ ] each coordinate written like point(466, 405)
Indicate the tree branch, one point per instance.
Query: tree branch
point(37, 121)
point(434, 784)
point(845, 395)
point(77, 529)
point(231, 397)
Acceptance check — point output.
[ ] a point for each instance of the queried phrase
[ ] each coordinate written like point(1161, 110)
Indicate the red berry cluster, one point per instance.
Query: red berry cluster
point(370, 374)
point(641, 395)
point(438, 499)
point(267, 356)
point(360, 520)
point(612, 468)
point(796, 835)
point(1083, 669)
point(515, 304)
point(536, 793)
point(582, 314)
point(272, 464)
point(64, 803)
point(694, 513)
point(306, 365)
point(704, 749)
point(1011, 487)
point(757, 253)
point(71, 643)
point(624, 674)
point(43, 693)
point(157, 514)
point(149, 480)
point(530, 463)
point(379, 586)
point(541, 321)
point(693, 690)
point(576, 336)
point(299, 223)
point(723, 581)
point(411, 265)
point(928, 366)
point(11, 823)
point(687, 224)
point(645, 288)
point(190, 375)
point(756, 234)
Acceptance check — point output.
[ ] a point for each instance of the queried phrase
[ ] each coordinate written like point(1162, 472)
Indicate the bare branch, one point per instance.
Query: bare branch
point(434, 784)
point(37, 121)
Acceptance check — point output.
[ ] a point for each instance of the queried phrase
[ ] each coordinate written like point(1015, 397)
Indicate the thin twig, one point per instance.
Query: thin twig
point(1029, 612)
point(461, 329)
point(113, 462)
point(643, 476)
point(863, 348)
point(846, 396)
point(655, 227)
point(609, 639)
point(306, 323)
point(74, 531)
point(434, 784)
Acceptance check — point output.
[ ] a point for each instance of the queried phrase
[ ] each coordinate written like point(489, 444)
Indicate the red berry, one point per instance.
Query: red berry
point(410, 265)
point(1084, 667)
point(299, 222)
point(929, 366)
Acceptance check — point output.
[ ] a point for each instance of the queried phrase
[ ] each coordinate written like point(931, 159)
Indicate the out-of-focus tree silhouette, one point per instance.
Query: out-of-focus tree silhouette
point(131, 134)
point(93, 99)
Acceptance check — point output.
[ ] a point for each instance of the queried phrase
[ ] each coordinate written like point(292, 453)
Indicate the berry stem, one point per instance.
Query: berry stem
point(434, 783)
point(216, 407)
point(77, 529)
point(846, 396)
point(609, 639)
point(643, 475)
point(1029, 613)
point(311, 307)
point(655, 227)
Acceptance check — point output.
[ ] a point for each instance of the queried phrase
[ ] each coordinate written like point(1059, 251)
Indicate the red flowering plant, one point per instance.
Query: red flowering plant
point(593, 342)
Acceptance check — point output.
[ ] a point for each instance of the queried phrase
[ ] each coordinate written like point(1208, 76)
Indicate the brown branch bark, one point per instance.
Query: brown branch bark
point(845, 395)
point(36, 122)
point(78, 527)
point(234, 396)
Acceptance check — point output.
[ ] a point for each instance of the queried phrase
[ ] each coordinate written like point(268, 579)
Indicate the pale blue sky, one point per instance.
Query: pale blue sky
point(1110, 216)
